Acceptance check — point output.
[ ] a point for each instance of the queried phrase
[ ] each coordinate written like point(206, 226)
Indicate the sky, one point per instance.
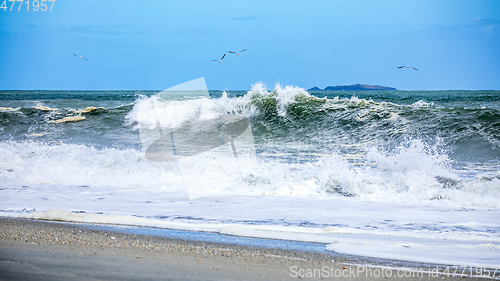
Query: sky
point(154, 45)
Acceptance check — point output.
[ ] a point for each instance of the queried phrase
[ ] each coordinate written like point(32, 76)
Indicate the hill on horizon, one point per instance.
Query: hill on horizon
point(355, 87)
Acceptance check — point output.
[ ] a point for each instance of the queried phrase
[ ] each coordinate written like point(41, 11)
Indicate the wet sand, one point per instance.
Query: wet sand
point(39, 250)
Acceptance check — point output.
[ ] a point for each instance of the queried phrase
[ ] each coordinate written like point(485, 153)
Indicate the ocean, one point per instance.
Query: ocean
point(401, 175)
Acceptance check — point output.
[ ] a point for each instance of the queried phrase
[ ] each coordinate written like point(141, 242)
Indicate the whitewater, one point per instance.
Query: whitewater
point(412, 176)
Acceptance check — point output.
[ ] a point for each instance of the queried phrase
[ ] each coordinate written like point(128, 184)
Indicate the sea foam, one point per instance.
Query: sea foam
point(397, 178)
point(411, 175)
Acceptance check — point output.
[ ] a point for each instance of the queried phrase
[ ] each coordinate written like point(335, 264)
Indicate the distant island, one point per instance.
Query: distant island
point(356, 87)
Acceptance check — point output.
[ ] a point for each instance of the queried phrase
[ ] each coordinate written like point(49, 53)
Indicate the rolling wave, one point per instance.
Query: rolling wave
point(422, 147)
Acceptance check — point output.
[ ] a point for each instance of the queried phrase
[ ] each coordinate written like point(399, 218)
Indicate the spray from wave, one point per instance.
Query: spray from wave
point(345, 147)
point(412, 175)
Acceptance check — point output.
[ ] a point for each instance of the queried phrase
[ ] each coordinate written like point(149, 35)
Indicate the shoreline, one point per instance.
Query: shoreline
point(39, 250)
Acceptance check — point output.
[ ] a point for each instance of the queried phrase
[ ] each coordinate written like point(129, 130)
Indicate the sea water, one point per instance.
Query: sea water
point(405, 175)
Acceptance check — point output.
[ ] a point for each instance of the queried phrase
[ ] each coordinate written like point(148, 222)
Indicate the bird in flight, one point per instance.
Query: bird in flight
point(237, 53)
point(79, 56)
point(407, 66)
point(220, 59)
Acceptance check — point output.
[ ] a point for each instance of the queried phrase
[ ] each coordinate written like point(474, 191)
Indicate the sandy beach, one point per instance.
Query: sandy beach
point(40, 250)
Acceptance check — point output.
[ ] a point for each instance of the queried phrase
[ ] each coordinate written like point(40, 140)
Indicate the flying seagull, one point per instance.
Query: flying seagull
point(220, 59)
point(407, 66)
point(79, 56)
point(238, 53)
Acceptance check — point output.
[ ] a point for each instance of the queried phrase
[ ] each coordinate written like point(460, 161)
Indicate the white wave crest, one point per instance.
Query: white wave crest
point(415, 174)
point(159, 110)
point(34, 163)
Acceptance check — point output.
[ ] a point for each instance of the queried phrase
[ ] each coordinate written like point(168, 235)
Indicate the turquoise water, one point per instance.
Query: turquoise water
point(464, 125)
point(395, 132)
point(387, 168)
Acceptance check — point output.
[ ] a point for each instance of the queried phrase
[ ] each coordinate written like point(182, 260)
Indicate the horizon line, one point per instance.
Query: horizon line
point(151, 90)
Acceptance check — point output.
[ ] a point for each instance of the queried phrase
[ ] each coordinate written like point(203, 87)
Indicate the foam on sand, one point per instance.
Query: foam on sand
point(484, 253)
point(437, 251)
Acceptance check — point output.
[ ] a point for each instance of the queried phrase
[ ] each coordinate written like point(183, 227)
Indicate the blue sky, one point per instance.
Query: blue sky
point(143, 45)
